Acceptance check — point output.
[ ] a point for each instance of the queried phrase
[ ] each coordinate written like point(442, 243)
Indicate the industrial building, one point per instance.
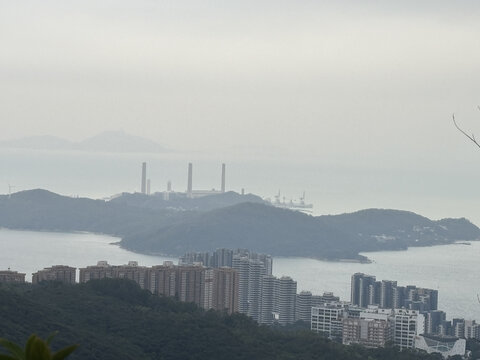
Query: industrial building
point(190, 192)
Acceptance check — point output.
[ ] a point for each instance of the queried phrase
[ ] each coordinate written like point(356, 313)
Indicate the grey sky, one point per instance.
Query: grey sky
point(359, 83)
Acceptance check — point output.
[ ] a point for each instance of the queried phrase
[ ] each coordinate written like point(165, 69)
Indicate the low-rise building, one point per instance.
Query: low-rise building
point(445, 345)
point(328, 319)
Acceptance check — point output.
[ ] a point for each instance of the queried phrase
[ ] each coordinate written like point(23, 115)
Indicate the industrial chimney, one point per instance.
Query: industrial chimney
point(144, 178)
point(223, 178)
point(189, 188)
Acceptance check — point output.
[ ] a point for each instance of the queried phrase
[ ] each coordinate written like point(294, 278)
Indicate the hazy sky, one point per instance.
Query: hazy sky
point(366, 83)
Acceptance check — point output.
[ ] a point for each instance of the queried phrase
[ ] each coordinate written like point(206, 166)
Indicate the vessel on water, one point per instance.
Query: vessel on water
point(296, 205)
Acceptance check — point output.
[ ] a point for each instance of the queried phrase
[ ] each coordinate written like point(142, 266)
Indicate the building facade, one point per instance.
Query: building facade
point(62, 273)
point(327, 319)
point(8, 276)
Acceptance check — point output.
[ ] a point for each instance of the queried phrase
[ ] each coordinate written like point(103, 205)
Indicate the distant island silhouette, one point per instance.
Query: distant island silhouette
point(150, 224)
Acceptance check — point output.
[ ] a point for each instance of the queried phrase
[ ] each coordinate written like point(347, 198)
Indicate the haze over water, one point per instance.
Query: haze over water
point(450, 268)
point(332, 187)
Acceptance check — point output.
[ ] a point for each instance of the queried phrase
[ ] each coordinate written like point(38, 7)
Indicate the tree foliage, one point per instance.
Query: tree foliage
point(115, 319)
point(35, 349)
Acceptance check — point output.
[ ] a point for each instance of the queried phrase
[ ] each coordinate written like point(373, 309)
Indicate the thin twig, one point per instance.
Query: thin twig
point(471, 137)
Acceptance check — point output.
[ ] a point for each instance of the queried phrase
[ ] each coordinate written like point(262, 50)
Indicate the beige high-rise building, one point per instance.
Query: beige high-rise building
point(367, 332)
point(62, 273)
point(208, 288)
point(139, 274)
point(225, 290)
point(163, 279)
point(189, 284)
point(8, 276)
point(132, 271)
point(100, 271)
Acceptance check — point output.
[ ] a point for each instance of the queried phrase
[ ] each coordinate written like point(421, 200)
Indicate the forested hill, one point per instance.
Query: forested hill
point(113, 319)
point(147, 227)
point(286, 233)
point(180, 202)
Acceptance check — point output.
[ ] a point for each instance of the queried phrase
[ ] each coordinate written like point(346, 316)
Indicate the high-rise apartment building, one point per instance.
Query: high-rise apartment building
point(256, 272)
point(221, 258)
point(250, 272)
point(62, 273)
point(277, 302)
point(366, 331)
point(189, 284)
point(8, 276)
point(163, 279)
point(303, 306)
point(386, 294)
point(407, 325)
point(433, 320)
point(100, 271)
point(362, 289)
point(268, 302)
point(242, 266)
point(287, 293)
point(132, 271)
point(225, 290)
point(139, 274)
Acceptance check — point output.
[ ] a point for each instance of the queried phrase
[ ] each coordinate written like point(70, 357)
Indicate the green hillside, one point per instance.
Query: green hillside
point(114, 319)
point(147, 225)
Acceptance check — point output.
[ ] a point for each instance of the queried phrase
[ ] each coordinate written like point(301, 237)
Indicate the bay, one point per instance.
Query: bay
point(451, 269)
point(30, 251)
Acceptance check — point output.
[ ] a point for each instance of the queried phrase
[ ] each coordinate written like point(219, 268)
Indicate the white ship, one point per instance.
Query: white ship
point(299, 205)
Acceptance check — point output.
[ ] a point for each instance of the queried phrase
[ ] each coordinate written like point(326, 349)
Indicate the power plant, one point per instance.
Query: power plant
point(190, 192)
point(199, 193)
point(144, 178)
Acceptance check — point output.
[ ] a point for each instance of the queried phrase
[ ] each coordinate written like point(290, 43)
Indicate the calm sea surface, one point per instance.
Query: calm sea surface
point(452, 269)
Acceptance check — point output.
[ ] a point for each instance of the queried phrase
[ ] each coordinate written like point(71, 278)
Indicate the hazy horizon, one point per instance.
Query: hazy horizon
point(359, 94)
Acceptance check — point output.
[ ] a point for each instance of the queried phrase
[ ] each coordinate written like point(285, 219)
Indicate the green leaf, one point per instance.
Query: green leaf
point(38, 350)
point(63, 353)
point(8, 357)
point(13, 348)
point(29, 346)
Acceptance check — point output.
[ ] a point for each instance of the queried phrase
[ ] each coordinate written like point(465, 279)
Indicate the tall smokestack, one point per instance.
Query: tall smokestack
point(223, 178)
point(144, 178)
point(189, 189)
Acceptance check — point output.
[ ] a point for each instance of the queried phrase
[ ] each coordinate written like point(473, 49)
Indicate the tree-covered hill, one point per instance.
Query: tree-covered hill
point(180, 201)
point(285, 233)
point(114, 319)
point(147, 225)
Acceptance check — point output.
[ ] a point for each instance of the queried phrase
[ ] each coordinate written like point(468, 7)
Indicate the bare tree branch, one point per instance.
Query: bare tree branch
point(470, 137)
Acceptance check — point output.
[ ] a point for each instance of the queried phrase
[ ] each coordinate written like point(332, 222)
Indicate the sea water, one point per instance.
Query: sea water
point(451, 269)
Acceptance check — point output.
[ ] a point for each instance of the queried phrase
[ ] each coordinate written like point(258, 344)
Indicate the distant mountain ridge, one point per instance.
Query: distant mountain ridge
point(109, 141)
point(226, 221)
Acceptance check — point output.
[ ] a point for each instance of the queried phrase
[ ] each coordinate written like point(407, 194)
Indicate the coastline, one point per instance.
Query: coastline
point(362, 257)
